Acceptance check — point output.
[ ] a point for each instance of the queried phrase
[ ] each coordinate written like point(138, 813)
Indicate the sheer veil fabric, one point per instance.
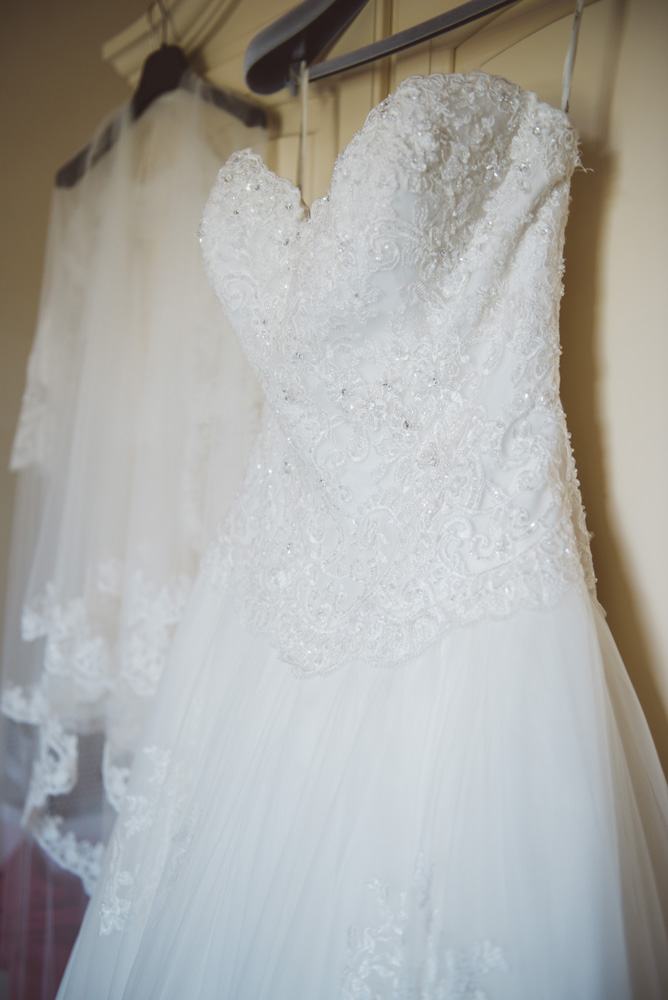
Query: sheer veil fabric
point(394, 754)
point(134, 432)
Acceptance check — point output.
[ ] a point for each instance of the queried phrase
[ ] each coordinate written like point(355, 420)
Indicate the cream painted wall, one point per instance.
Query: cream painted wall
point(631, 334)
point(614, 310)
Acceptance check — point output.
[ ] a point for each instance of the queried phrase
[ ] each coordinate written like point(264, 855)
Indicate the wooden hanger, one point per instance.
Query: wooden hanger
point(274, 56)
point(299, 36)
point(163, 71)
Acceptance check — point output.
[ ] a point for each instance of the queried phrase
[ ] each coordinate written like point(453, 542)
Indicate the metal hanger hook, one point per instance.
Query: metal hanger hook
point(149, 21)
point(166, 20)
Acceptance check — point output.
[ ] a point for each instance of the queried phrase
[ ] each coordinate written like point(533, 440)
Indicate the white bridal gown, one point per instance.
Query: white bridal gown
point(395, 755)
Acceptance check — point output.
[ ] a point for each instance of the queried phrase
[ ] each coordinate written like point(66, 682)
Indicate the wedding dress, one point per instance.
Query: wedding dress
point(133, 437)
point(394, 753)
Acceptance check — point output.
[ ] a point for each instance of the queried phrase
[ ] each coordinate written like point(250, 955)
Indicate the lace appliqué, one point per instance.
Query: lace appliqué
point(29, 441)
point(73, 853)
point(119, 895)
point(81, 632)
point(386, 963)
point(137, 881)
point(413, 472)
point(117, 899)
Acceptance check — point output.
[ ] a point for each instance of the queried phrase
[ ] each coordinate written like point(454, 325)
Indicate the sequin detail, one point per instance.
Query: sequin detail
point(414, 471)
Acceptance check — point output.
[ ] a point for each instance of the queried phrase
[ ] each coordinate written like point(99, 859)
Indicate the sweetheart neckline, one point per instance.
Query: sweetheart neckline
point(391, 97)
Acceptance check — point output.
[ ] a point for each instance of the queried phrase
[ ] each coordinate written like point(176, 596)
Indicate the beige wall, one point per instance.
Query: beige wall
point(630, 330)
point(614, 312)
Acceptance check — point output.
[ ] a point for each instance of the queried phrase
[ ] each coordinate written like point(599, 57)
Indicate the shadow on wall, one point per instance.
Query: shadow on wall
point(580, 390)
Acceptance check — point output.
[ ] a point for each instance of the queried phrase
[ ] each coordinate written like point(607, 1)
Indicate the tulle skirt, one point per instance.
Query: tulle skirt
point(488, 820)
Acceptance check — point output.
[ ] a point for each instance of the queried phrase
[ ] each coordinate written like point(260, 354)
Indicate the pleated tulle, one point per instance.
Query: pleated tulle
point(488, 817)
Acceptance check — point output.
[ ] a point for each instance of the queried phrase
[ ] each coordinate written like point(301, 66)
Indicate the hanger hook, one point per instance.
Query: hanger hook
point(165, 21)
point(149, 21)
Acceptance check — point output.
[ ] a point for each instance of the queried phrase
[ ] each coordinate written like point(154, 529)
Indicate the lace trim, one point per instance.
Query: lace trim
point(82, 650)
point(81, 633)
point(135, 881)
point(404, 954)
point(29, 441)
point(120, 887)
point(73, 853)
point(24, 706)
point(118, 891)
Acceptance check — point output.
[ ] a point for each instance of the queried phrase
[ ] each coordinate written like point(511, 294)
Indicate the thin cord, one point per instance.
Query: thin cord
point(303, 90)
point(570, 57)
point(151, 32)
point(165, 21)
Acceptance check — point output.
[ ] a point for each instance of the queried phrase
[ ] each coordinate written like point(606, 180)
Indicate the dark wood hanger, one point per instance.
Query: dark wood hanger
point(303, 33)
point(274, 55)
point(164, 70)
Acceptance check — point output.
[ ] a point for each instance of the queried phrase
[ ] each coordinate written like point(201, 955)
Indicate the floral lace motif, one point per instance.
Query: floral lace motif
point(414, 471)
point(29, 440)
point(404, 956)
point(120, 889)
point(72, 853)
point(82, 650)
point(137, 881)
point(82, 632)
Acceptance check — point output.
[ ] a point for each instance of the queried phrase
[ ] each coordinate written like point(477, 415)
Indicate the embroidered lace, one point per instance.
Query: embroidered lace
point(414, 471)
point(379, 956)
point(81, 651)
